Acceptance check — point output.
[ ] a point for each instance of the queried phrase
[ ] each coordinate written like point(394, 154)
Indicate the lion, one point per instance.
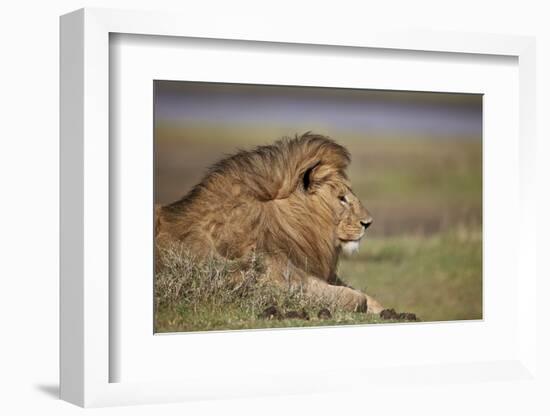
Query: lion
point(292, 202)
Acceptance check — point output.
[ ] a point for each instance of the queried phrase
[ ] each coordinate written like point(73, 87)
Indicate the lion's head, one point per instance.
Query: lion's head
point(354, 220)
point(291, 200)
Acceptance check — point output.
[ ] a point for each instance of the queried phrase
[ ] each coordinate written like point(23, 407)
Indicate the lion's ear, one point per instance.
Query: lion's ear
point(308, 178)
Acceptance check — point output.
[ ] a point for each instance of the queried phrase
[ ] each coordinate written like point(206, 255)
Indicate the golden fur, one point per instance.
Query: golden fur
point(290, 201)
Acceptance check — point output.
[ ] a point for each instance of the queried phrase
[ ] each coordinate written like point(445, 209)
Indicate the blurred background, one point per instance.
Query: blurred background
point(416, 165)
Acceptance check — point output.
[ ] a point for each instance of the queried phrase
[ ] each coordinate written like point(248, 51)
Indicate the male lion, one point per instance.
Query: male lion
point(290, 201)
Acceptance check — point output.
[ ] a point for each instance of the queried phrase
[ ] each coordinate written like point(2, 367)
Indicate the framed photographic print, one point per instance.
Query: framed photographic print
point(288, 213)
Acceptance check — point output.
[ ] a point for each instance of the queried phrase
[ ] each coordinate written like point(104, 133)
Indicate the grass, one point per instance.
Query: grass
point(207, 319)
point(438, 277)
point(201, 296)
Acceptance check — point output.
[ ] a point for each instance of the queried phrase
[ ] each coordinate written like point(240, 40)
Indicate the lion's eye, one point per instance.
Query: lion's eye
point(343, 199)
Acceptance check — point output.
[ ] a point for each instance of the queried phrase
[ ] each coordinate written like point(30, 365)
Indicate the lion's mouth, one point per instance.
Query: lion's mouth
point(356, 240)
point(352, 240)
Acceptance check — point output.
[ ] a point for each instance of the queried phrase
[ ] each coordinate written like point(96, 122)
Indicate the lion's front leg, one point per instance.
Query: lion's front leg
point(374, 306)
point(341, 296)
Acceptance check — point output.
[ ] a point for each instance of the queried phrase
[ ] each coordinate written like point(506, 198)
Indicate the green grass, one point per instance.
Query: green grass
point(437, 277)
point(212, 319)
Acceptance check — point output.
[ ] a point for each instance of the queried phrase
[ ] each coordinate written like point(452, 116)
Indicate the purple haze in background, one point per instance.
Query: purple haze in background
point(406, 114)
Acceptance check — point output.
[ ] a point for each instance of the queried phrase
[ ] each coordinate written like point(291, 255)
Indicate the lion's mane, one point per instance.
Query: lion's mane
point(260, 200)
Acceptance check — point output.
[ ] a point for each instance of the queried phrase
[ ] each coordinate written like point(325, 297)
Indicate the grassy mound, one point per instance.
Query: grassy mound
point(220, 294)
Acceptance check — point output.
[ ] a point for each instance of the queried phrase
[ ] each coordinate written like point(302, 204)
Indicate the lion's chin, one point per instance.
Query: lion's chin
point(349, 247)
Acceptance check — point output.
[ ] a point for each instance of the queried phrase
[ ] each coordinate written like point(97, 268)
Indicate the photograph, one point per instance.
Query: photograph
point(280, 206)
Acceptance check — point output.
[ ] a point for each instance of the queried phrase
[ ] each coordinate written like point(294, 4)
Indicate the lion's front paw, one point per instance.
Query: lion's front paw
point(353, 300)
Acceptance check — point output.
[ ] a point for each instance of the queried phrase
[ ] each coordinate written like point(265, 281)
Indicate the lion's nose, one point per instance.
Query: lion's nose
point(366, 223)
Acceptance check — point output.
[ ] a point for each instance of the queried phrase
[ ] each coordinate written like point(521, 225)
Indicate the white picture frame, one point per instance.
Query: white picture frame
point(85, 353)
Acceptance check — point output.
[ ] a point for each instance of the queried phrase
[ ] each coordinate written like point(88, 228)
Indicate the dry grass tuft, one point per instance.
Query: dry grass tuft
point(189, 286)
